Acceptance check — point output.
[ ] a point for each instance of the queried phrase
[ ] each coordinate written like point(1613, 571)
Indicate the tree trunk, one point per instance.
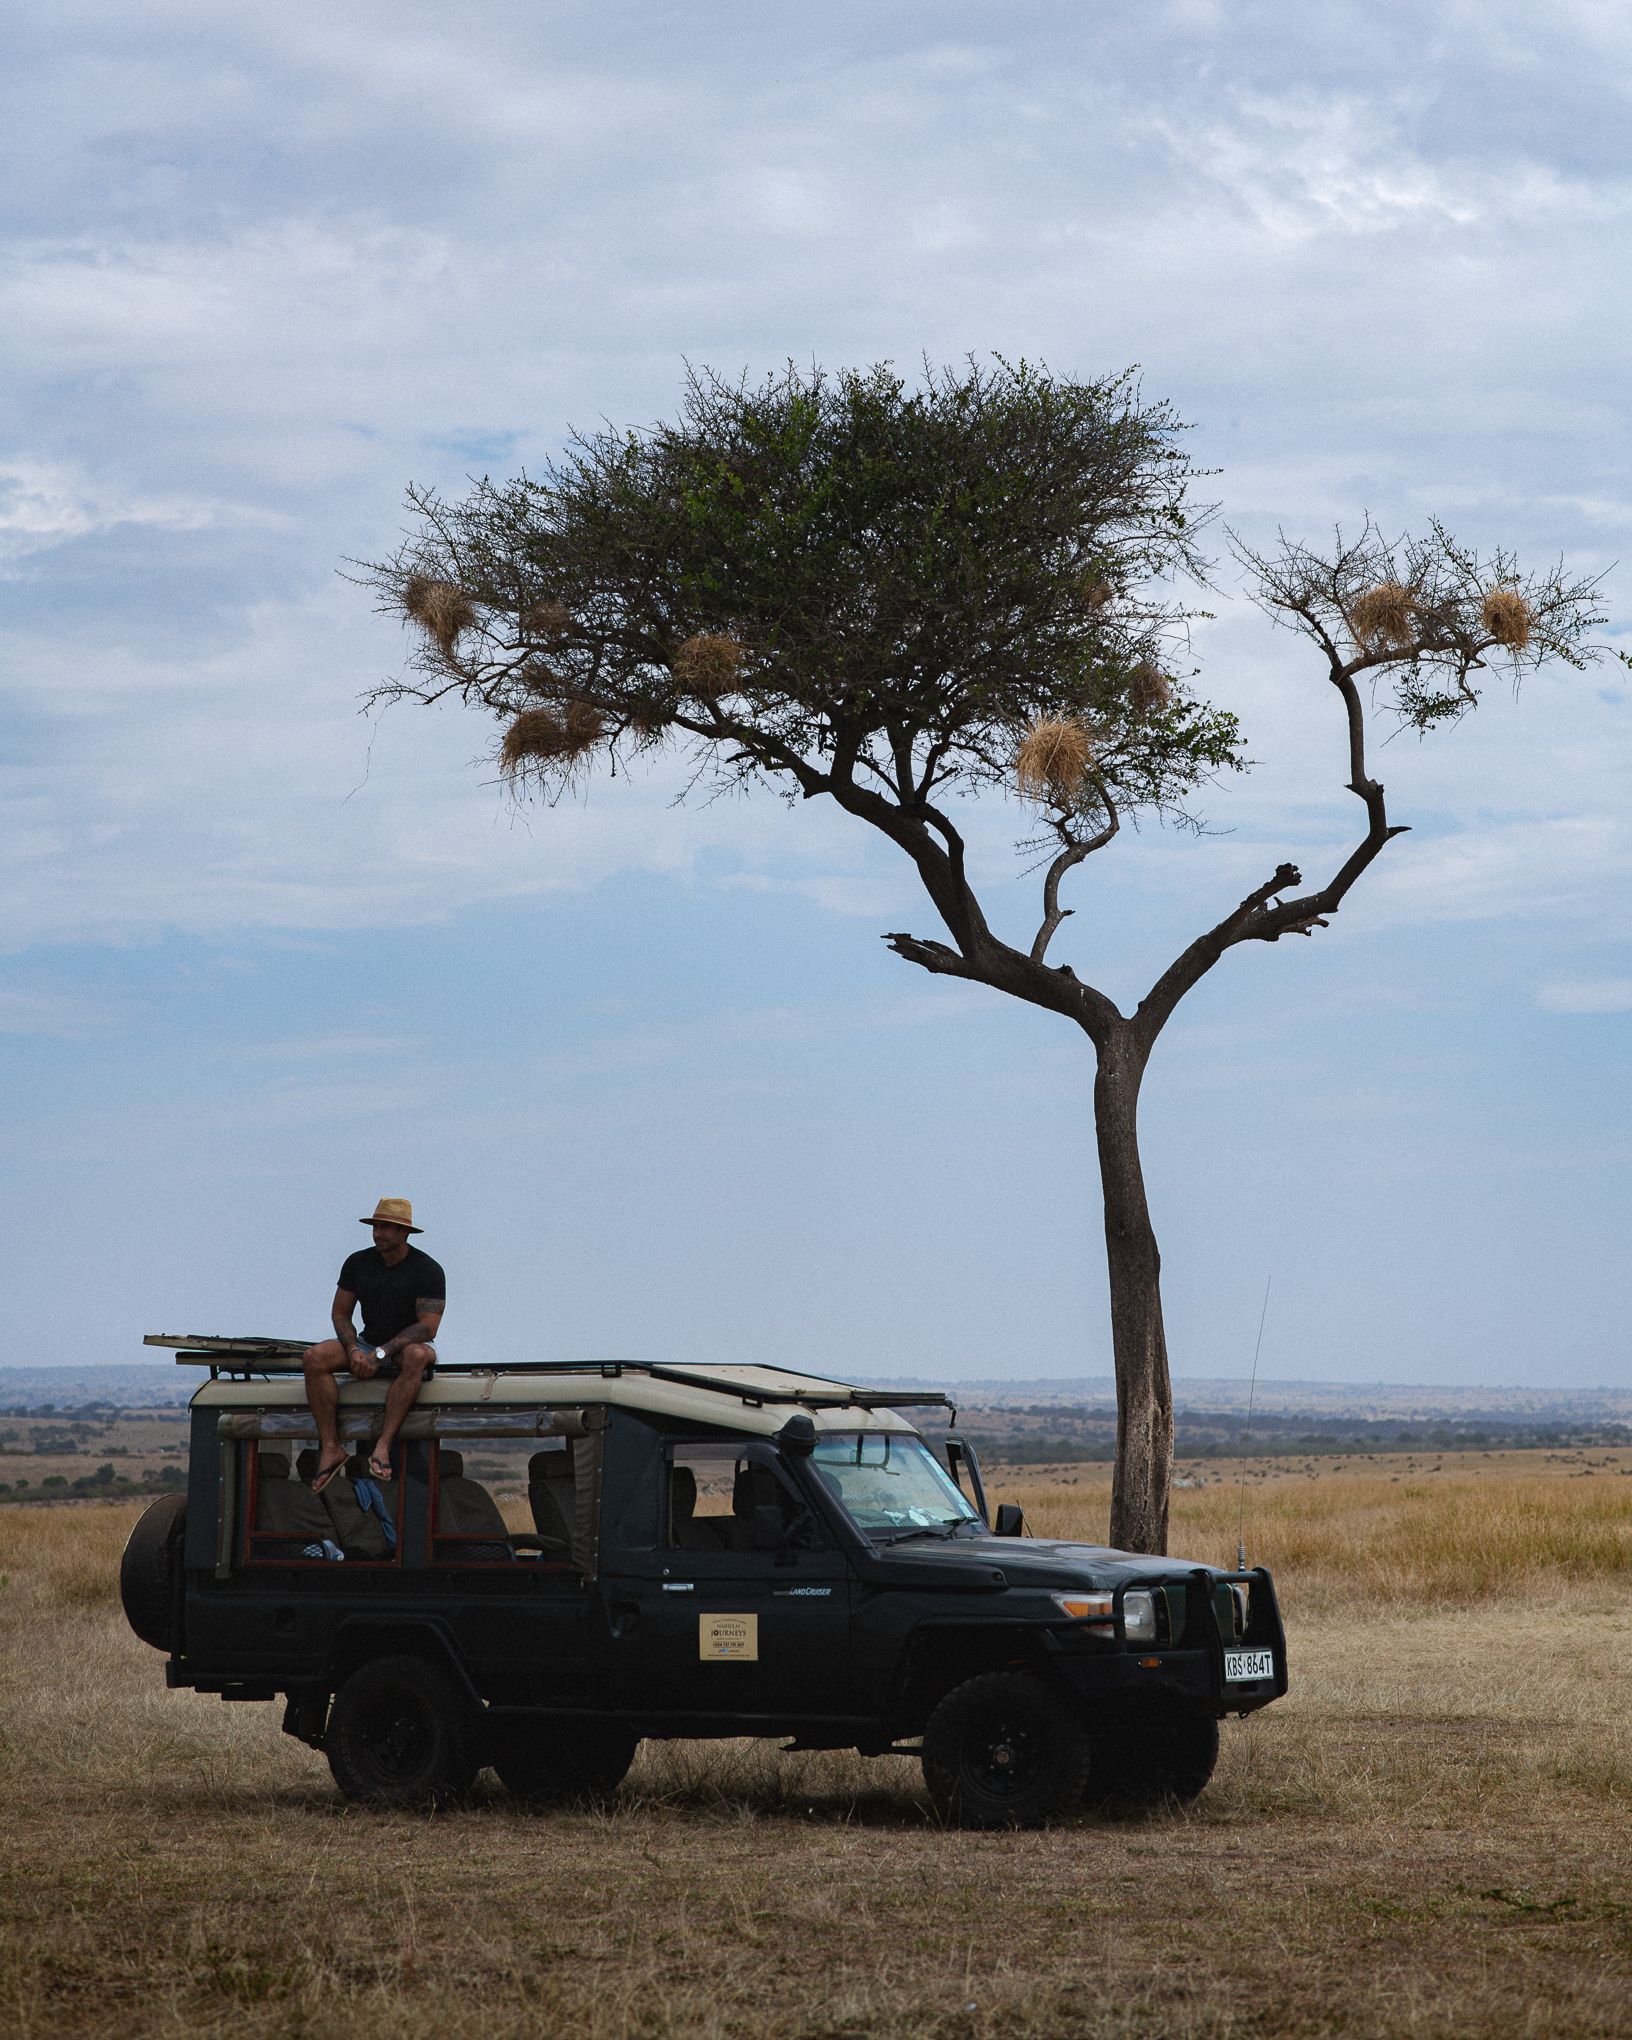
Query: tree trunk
point(1144, 1395)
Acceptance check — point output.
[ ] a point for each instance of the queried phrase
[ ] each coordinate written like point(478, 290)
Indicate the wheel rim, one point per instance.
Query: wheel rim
point(399, 1738)
point(1003, 1758)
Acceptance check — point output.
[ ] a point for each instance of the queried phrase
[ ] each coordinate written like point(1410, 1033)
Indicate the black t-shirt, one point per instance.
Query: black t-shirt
point(389, 1295)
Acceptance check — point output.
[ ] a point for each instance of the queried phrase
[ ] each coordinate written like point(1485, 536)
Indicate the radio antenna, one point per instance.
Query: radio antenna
point(1246, 1435)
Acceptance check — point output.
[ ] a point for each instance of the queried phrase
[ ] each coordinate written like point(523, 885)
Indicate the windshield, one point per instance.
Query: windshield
point(890, 1483)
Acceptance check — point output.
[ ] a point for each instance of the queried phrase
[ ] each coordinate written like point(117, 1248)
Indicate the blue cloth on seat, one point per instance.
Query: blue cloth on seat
point(370, 1498)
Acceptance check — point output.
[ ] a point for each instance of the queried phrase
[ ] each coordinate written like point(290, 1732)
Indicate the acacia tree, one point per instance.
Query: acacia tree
point(889, 597)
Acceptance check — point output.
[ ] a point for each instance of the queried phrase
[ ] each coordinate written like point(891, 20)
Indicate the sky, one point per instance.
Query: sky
point(654, 1083)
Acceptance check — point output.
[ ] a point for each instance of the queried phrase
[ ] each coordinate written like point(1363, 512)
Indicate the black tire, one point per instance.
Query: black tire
point(147, 1572)
point(1004, 1750)
point(1135, 1765)
point(402, 1733)
point(562, 1763)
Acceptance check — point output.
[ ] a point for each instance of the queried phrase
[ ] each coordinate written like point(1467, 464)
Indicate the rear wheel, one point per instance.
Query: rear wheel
point(1144, 1763)
point(562, 1763)
point(402, 1733)
point(1004, 1750)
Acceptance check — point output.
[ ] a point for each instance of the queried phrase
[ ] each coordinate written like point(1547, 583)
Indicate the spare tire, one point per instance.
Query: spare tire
point(148, 1569)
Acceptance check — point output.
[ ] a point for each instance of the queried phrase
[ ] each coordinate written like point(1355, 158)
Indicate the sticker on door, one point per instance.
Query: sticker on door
point(727, 1636)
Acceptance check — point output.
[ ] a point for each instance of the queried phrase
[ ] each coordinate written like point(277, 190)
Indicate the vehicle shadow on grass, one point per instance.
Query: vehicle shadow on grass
point(711, 1784)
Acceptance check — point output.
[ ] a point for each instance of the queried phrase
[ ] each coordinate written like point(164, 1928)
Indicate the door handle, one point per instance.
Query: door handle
point(679, 1586)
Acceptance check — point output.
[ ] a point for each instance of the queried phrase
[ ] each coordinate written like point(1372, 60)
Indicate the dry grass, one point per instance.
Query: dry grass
point(1053, 760)
point(1428, 1838)
point(1445, 1539)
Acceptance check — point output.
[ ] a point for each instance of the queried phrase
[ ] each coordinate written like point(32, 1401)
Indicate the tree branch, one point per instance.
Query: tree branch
point(1255, 919)
point(1071, 855)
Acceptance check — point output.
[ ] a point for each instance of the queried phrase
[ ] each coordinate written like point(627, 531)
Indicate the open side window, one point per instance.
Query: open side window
point(727, 1496)
point(502, 1494)
point(356, 1519)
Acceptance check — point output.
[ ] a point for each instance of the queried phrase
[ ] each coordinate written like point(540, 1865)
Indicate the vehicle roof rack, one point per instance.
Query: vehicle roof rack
point(245, 1356)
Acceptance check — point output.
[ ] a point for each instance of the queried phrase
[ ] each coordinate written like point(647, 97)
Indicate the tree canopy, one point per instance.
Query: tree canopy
point(834, 578)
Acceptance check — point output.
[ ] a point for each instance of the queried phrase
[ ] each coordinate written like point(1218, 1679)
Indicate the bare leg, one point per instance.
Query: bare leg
point(412, 1362)
point(321, 1364)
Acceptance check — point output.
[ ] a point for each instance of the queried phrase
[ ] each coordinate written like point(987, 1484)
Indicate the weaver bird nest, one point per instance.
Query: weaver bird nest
point(547, 620)
point(550, 736)
point(1149, 689)
point(442, 610)
point(1508, 618)
point(1385, 617)
point(708, 664)
point(1053, 760)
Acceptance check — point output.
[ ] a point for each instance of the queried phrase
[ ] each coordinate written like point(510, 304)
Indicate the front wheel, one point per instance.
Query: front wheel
point(563, 1763)
point(1143, 1764)
point(401, 1733)
point(1004, 1750)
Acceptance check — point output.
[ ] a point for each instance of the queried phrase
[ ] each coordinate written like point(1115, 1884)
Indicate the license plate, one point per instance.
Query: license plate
point(1241, 1665)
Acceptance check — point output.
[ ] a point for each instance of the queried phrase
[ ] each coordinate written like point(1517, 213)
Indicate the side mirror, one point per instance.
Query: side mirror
point(797, 1436)
point(768, 1529)
point(1010, 1520)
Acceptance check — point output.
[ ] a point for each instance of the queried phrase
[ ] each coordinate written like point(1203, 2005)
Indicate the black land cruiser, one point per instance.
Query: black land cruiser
point(572, 1557)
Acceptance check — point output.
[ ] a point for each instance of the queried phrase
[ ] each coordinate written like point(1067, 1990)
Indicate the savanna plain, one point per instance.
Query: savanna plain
point(1431, 1835)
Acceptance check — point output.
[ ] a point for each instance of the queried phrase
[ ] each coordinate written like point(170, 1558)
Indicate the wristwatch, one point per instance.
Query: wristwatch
point(379, 1352)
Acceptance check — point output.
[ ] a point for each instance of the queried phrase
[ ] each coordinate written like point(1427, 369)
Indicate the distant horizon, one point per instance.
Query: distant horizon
point(1266, 1385)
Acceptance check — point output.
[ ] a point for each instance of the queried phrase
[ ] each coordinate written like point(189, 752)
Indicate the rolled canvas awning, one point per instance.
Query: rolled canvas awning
point(460, 1421)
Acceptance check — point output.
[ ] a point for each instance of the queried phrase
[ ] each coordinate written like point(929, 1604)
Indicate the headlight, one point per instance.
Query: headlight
point(1138, 1612)
point(1139, 1616)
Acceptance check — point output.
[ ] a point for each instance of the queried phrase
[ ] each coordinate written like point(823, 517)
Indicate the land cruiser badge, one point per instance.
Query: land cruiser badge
point(728, 1636)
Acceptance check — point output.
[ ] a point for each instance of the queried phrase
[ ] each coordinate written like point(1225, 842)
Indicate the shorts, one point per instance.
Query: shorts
point(388, 1370)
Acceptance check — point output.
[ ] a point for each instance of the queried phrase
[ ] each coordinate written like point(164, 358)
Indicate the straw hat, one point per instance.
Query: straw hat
point(393, 1211)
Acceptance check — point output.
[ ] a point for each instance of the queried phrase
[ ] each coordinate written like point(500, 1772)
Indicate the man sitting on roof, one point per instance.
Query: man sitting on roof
point(403, 1293)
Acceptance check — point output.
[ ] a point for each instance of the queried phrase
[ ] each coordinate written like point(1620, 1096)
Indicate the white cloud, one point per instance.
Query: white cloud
point(1586, 995)
point(45, 503)
point(55, 1014)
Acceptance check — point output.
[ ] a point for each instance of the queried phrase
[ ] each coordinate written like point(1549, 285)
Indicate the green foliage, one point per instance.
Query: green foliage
point(832, 578)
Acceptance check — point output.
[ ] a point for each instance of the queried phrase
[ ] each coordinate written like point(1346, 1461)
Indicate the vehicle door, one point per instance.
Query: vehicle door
point(747, 1607)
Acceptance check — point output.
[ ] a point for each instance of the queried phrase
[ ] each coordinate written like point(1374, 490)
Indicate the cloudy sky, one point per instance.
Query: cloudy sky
point(653, 1081)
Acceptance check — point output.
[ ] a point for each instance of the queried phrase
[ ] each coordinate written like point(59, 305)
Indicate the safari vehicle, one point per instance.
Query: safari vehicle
point(570, 1558)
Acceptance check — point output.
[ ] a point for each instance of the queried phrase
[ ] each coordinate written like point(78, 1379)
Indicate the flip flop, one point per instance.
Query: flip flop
point(378, 1468)
point(325, 1474)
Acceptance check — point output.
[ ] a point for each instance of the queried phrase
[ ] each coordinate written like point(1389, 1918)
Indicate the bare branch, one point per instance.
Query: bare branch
point(1073, 854)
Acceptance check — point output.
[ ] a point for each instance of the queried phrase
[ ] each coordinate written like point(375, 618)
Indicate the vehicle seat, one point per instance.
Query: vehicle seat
point(285, 1507)
point(755, 1487)
point(347, 1522)
point(687, 1530)
point(464, 1508)
point(552, 1499)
